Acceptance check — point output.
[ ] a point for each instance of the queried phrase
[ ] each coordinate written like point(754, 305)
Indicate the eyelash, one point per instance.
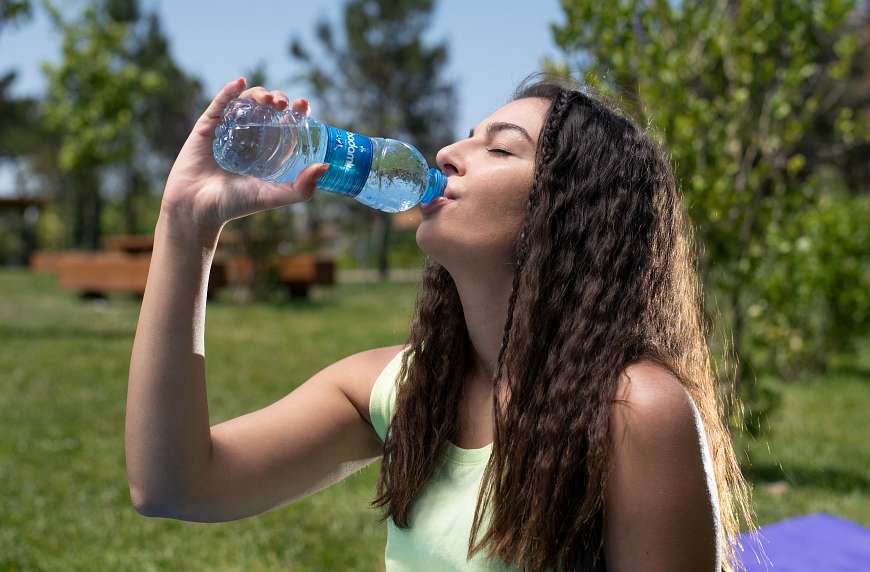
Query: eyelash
point(498, 151)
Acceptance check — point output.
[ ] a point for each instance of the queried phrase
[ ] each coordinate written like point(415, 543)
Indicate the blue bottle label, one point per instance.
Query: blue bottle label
point(349, 156)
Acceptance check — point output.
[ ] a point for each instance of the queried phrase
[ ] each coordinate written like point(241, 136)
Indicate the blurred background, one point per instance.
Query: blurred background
point(764, 106)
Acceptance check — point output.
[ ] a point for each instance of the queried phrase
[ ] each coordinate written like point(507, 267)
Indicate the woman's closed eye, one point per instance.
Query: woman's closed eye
point(499, 151)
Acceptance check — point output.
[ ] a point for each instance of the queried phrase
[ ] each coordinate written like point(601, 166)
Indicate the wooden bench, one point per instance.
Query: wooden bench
point(298, 273)
point(47, 261)
point(141, 243)
point(96, 274)
point(124, 268)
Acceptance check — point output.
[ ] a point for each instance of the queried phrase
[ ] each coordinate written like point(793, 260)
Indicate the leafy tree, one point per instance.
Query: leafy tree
point(13, 11)
point(17, 134)
point(741, 93)
point(163, 117)
point(89, 107)
point(115, 99)
point(381, 79)
point(13, 111)
point(840, 139)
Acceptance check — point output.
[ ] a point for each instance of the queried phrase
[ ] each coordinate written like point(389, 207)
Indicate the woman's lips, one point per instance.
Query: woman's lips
point(434, 205)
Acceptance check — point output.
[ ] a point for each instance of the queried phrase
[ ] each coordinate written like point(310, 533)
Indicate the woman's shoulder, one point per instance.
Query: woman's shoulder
point(651, 401)
point(662, 474)
point(371, 391)
point(656, 428)
point(361, 371)
point(650, 386)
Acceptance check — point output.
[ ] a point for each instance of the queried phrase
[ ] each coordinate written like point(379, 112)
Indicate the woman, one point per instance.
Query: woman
point(554, 407)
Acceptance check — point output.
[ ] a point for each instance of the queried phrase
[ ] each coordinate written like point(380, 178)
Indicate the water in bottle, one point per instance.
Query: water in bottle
point(385, 174)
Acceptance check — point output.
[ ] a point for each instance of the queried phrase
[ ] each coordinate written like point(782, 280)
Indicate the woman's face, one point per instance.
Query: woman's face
point(489, 177)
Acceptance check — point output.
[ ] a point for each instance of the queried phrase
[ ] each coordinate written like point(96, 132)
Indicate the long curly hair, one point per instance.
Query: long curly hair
point(605, 275)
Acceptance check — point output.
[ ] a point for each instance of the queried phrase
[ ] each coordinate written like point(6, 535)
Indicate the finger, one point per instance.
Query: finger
point(259, 94)
point(212, 115)
point(301, 106)
point(306, 181)
point(302, 189)
point(280, 98)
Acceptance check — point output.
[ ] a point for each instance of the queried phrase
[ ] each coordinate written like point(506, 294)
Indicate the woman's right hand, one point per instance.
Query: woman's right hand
point(206, 195)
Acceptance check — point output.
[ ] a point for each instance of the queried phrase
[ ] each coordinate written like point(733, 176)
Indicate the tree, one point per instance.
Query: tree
point(737, 91)
point(13, 111)
point(16, 129)
point(382, 80)
point(115, 99)
point(164, 115)
point(91, 96)
point(16, 133)
point(14, 11)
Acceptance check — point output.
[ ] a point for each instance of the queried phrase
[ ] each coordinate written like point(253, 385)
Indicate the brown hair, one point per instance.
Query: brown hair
point(605, 275)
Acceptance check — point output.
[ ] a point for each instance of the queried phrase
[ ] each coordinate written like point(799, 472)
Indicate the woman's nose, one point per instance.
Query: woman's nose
point(447, 160)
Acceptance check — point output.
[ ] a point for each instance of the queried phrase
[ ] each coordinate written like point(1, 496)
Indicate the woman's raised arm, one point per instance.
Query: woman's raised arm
point(173, 461)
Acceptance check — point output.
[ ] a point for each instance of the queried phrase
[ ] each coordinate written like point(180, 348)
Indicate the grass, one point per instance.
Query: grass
point(817, 458)
point(65, 503)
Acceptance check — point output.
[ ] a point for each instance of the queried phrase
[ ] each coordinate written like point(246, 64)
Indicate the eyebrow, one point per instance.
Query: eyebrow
point(494, 128)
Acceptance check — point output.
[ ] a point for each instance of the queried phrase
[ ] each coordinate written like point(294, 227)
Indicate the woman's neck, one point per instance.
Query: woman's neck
point(484, 303)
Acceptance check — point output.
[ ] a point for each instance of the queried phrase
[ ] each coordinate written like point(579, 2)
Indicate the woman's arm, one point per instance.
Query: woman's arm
point(167, 434)
point(178, 466)
point(661, 517)
point(167, 437)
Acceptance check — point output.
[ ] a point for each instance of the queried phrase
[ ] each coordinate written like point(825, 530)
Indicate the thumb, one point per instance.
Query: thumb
point(306, 181)
point(302, 189)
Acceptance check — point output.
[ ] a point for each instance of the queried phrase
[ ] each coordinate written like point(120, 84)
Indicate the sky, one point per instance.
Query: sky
point(492, 45)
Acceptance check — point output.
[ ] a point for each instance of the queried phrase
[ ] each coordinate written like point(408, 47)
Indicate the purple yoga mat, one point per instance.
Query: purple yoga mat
point(815, 542)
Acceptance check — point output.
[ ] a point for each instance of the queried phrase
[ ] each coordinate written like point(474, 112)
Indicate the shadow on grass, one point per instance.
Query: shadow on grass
point(64, 332)
point(298, 305)
point(303, 304)
point(822, 477)
point(850, 370)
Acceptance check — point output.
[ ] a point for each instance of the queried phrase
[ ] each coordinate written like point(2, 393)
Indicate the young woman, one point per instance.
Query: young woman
point(554, 407)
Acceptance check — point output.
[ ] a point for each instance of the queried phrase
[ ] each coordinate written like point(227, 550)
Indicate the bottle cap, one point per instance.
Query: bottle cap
point(436, 186)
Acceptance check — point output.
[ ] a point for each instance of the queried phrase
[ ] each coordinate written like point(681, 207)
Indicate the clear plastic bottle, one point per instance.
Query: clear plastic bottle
point(385, 174)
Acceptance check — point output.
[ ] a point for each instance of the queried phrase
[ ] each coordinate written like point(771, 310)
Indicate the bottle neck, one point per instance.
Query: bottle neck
point(435, 187)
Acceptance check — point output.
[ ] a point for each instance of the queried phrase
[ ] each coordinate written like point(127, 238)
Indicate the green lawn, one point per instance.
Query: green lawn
point(65, 504)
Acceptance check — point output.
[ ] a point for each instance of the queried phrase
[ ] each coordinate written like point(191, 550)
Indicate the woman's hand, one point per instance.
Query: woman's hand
point(202, 193)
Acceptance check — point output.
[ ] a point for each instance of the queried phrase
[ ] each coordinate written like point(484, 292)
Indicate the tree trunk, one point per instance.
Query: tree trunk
point(29, 237)
point(734, 351)
point(135, 188)
point(384, 224)
point(743, 369)
point(87, 211)
point(248, 249)
point(313, 224)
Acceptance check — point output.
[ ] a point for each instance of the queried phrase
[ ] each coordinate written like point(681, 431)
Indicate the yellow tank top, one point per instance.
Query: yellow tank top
point(441, 516)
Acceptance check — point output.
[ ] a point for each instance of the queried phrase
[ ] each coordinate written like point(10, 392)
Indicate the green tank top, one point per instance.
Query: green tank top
point(441, 516)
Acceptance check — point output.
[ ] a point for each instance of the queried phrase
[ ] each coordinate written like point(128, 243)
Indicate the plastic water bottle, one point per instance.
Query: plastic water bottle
point(385, 174)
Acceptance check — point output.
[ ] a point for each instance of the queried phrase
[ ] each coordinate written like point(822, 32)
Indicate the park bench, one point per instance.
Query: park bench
point(96, 274)
point(123, 267)
point(296, 273)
